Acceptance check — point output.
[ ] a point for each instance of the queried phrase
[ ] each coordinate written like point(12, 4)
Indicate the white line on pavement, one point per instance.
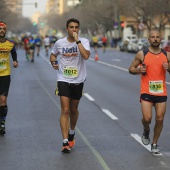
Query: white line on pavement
point(89, 97)
point(148, 147)
point(116, 60)
point(108, 113)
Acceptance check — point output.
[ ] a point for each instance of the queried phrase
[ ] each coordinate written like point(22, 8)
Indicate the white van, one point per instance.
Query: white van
point(131, 41)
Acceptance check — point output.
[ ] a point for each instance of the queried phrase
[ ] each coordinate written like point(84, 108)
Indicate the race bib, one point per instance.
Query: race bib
point(156, 86)
point(70, 72)
point(3, 62)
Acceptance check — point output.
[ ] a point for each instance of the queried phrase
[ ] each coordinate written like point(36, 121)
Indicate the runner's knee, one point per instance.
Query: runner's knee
point(65, 111)
point(147, 119)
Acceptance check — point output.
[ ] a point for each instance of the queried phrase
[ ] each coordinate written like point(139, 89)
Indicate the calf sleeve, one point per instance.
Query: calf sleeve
point(3, 112)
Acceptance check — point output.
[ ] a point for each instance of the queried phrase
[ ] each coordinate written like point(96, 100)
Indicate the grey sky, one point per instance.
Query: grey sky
point(29, 7)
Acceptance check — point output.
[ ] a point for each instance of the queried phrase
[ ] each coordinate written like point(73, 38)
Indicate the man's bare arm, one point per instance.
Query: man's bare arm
point(134, 69)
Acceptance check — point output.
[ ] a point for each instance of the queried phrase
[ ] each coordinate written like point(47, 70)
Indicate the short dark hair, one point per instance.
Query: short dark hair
point(72, 20)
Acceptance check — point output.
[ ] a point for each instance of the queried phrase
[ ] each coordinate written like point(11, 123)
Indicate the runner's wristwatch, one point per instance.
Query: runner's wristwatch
point(78, 42)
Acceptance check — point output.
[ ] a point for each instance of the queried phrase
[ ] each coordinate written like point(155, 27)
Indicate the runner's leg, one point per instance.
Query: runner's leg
point(64, 118)
point(160, 109)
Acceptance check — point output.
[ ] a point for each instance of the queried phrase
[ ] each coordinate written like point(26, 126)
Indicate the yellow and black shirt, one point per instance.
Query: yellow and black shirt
point(6, 48)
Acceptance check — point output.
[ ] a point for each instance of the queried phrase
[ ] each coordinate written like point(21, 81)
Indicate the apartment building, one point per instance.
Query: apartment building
point(15, 6)
point(60, 6)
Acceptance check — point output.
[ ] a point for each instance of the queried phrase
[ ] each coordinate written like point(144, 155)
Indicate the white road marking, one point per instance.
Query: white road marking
point(116, 60)
point(108, 113)
point(89, 97)
point(111, 65)
point(148, 147)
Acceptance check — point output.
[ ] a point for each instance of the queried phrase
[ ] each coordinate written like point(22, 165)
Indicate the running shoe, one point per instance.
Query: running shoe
point(145, 137)
point(154, 149)
point(2, 127)
point(71, 140)
point(66, 148)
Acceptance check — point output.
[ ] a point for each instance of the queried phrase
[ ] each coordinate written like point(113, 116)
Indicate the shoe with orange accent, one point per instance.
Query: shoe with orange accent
point(71, 140)
point(66, 148)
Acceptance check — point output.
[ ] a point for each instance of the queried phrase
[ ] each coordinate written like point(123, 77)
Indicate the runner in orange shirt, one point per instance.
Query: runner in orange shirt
point(154, 63)
point(104, 41)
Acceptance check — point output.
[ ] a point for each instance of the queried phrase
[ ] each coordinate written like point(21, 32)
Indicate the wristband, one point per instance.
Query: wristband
point(54, 62)
point(78, 42)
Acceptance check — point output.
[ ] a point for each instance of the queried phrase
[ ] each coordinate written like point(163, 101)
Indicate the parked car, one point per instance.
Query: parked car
point(122, 46)
point(146, 45)
point(142, 43)
point(129, 43)
point(132, 46)
point(166, 46)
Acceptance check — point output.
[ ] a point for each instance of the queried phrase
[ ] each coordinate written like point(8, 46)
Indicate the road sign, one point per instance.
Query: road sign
point(141, 26)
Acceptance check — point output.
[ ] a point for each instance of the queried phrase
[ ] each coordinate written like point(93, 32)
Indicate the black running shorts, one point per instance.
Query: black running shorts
point(70, 90)
point(4, 85)
point(153, 99)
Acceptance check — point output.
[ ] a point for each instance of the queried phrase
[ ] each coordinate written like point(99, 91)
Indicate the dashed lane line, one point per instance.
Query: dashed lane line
point(148, 147)
point(88, 96)
point(108, 113)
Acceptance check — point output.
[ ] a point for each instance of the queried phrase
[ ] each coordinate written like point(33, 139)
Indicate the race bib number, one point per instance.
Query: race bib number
point(70, 72)
point(3, 62)
point(156, 86)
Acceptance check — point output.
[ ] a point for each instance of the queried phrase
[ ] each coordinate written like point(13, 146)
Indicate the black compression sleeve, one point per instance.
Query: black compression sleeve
point(14, 54)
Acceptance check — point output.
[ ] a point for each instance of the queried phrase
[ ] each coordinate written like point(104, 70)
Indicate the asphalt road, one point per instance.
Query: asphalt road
point(109, 126)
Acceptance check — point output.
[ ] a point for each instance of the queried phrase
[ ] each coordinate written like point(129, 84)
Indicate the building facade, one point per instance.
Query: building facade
point(15, 6)
point(60, 6)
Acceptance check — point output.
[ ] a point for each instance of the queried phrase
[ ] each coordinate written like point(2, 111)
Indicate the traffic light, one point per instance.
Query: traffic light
point(42, 23)
point(36, 5)
point(34, 23)
point(122, 24)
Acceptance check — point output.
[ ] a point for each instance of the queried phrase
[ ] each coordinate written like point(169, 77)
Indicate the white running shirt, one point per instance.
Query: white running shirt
point(46, 41)
point(72, 68)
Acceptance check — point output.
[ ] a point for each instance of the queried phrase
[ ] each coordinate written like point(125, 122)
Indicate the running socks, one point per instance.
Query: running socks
point(71, 132)
point(65, 140)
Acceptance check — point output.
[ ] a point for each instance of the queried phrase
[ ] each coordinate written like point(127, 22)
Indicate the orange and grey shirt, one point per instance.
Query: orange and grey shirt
point(153, 82)
point(6, 48)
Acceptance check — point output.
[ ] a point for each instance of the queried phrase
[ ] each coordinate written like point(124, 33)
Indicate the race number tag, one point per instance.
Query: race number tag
point(70, 72)
point(3, 62)
point(156, 86)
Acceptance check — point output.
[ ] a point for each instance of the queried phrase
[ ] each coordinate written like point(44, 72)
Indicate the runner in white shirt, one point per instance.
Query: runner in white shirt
point(46, 44)
point(71, 53)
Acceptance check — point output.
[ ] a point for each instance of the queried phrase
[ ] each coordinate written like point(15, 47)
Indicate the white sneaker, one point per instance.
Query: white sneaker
point(154, 149)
